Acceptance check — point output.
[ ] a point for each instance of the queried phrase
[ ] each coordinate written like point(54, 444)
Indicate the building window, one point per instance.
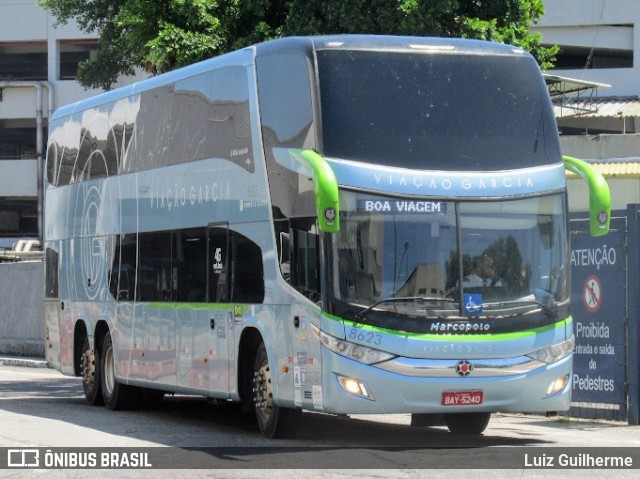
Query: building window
point(18, 217)
point(574, 58)
point(23, 61)
point(18, 139)
point(72, 52)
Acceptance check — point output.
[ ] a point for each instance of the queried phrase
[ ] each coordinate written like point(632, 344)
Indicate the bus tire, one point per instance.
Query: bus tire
point(90, 372)
point(467, 422)
point(273, 421)
point(116, 396)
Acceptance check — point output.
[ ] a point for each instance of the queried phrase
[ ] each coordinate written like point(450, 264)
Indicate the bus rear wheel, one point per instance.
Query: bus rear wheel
point(116, 396)
point(467, 422)
point(273, 420)
point(90, 371)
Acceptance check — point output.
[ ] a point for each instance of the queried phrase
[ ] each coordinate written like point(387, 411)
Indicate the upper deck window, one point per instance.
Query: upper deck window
point(436, 111)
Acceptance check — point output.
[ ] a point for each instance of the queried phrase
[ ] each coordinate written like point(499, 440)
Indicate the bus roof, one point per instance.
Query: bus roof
point(303, 44)
point(389, 42)
point(240, 57)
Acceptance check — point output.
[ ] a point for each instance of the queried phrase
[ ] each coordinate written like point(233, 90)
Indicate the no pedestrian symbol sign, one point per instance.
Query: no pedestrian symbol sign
point(592, 294)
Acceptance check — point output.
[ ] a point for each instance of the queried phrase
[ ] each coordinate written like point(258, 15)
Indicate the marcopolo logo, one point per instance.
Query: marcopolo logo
point(464, 368)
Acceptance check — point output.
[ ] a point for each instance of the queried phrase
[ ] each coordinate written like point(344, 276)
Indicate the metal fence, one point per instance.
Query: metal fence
point(603, 282)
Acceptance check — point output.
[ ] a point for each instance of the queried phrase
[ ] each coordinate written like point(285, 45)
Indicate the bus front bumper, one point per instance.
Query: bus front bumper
point(356, 388)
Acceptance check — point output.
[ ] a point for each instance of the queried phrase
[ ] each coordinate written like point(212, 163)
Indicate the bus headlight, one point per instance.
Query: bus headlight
point(357, 352)
point(554, 353)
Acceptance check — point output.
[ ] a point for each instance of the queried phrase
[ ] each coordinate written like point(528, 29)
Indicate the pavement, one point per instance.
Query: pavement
point(22, 361)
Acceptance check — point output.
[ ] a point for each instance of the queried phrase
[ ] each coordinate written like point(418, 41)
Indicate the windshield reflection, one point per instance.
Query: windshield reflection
point(442, 260)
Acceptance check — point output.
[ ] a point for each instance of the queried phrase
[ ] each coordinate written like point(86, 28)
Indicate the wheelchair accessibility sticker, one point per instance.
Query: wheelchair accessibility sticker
point(473, 304)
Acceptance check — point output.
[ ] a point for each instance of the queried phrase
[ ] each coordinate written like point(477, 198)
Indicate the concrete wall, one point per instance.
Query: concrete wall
point(599, 24)
point(601, 146)
point(19, 177)
point(21, 313)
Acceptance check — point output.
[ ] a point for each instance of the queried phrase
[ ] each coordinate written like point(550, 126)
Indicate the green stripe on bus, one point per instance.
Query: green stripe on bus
point(457, 337)
point(201, 306)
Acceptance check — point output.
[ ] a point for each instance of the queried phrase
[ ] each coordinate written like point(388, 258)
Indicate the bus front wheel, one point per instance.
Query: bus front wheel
point(115, 395)
point(273, 420)
point(467, 422)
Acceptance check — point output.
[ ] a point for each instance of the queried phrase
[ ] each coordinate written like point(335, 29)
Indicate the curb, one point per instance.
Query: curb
point(23, 362)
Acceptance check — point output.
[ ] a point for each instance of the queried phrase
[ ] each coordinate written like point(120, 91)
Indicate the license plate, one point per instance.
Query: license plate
point(462, 398)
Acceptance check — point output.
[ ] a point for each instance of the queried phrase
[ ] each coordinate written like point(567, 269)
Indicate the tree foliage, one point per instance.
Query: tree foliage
point(160, 35)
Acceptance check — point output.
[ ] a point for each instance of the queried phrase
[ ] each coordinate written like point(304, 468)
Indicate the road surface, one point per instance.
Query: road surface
point(39, 408)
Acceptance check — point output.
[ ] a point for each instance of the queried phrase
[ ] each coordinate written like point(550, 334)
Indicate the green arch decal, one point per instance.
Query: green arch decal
point(599, 194)
point(325, 187)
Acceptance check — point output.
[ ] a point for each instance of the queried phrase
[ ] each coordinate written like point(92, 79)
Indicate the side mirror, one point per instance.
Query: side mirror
point(599, 194)
point(325, 187)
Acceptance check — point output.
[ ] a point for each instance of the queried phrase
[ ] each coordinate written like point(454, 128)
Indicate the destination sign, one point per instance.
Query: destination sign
point(402, 206)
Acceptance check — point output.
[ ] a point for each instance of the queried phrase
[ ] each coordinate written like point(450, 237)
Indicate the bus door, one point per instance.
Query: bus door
point(220, 320)
point(204, 312)
point(305, 277)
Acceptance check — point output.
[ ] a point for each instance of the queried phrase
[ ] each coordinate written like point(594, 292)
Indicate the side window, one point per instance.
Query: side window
point(119, 137)
point(286, 110)
point(211, 118)
point(235, 268)
point(229, 121)
point(154, 266)
point(51, 258)
point(67, 160)
point(298, 248)
point(53, 162)
point(190, 122)
point(122, 283)
point(152, 145)
point(190, 265)
point(305, 257)
point(248, 276)
point(284, 90)
point(218, 265)
point(81, 165)
point(68, 149)
point(283, 245)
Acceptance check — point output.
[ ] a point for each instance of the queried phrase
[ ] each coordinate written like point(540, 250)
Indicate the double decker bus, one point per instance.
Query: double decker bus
point(297, 225)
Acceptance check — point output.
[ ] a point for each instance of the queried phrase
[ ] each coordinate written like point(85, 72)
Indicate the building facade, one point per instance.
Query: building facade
point(38, 65)
point(599, 43)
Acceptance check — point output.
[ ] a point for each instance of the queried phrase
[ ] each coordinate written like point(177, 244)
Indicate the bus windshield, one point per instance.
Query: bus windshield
point(425, 110)
point(446, 259)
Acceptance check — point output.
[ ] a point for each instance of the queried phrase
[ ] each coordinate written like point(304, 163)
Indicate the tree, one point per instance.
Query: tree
point(160, 35)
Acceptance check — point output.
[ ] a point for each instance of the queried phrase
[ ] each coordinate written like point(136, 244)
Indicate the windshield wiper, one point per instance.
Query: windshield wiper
point(401, 299)
point(552, 313)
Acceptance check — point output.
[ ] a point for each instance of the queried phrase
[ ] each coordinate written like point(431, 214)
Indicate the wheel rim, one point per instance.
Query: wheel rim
point(262, 393)
point(109, 372)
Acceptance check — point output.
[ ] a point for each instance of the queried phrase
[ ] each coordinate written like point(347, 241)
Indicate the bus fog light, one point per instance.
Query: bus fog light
point(355, 387)
point(557, 385)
